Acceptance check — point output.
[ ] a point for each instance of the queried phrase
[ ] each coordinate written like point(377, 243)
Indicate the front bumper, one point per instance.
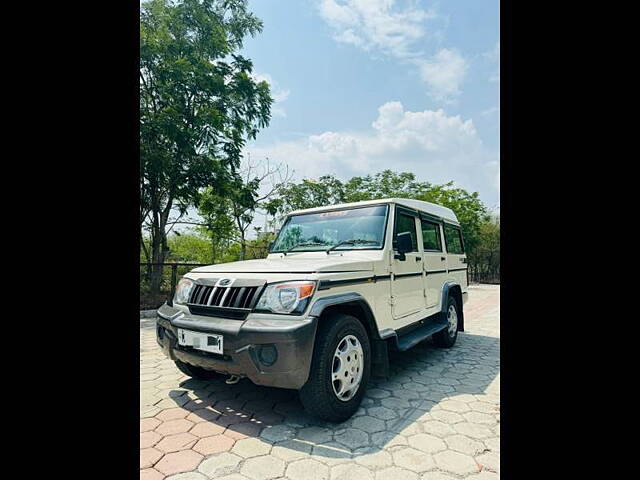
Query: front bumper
point(243, 345)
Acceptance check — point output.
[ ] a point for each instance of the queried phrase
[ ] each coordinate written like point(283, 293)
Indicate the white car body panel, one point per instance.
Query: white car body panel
point(395, 303)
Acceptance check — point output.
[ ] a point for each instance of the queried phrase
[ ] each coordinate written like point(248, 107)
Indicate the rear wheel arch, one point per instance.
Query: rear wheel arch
point(451, 289)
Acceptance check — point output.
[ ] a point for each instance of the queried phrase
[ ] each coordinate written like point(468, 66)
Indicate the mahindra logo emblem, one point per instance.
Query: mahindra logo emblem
point(224, 282)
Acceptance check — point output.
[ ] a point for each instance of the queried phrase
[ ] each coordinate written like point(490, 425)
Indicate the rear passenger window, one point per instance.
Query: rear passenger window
point(431, 236)
point(406, 223)
point(453, 238)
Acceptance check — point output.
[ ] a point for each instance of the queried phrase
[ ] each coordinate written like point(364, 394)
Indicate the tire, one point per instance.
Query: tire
point(318, 395)
point(196, 372)
point(447, 337)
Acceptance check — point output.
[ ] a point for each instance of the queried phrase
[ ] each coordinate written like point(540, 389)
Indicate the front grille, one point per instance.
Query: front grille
point(229, 297)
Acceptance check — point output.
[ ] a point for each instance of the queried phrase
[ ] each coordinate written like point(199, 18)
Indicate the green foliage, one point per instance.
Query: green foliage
point(189, 248)
point(328, 190)
point(309, 193)
point(218, 224)
point(384, 184)
point(485, 256)
point(198, 104)
point(468, 207)
point(259, 247)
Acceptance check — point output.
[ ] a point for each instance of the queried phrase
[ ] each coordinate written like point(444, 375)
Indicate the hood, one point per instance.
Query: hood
point(292, 264)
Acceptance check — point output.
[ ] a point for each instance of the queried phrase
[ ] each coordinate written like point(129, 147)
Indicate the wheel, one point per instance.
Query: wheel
point(195, 372)
point(340, 369)
point(445, 338)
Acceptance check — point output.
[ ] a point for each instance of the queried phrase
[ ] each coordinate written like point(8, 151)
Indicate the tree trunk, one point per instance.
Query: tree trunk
point(159, 248)
point(147, 257)
point(158, 259)
point(243, 246)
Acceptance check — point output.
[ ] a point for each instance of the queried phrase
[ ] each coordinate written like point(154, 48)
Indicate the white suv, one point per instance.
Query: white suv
point(340, 287)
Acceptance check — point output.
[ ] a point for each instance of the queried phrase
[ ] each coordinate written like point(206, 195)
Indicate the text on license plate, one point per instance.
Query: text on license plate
point(208, 342)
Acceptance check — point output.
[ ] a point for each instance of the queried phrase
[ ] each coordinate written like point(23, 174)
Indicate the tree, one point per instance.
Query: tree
point(189, 248)
point(484, 258)
point(217, 222)
point(248, 193)
point(384, 184)
point(328, 190)
point(198, 106)
point(309, 193)
point(468, 207)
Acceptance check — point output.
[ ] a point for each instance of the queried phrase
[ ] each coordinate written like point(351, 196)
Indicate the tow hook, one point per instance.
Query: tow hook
point(232, 380)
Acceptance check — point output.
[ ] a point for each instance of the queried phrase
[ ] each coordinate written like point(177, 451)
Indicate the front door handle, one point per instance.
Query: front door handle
point(443, 258)
point(418, 259)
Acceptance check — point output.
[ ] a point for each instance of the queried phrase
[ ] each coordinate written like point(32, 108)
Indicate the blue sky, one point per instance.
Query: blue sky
point(363, 85)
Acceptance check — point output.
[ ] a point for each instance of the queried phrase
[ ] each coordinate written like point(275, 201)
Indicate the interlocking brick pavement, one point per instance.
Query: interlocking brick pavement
point(436, 417)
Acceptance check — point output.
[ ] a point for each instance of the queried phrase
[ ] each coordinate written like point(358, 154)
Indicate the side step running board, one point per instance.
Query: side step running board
point(414, 337)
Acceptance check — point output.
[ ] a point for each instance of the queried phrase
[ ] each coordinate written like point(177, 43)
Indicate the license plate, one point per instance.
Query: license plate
point(208, 342)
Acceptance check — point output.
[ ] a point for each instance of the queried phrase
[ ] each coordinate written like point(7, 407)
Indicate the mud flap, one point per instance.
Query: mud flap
point(380, 359)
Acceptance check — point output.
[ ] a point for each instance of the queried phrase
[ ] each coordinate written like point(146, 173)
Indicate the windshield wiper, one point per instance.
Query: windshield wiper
point(302, 244)
point(355, 241)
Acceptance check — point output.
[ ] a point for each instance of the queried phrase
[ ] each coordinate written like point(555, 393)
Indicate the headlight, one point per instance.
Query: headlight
point(183, 290)
point(287, 297)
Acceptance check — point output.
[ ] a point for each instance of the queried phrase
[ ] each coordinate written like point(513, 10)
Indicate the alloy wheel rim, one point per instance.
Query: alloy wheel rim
point(452, 320)
point(347, 368)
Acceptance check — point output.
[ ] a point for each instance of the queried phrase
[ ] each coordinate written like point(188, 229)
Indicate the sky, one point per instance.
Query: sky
point(365, 85)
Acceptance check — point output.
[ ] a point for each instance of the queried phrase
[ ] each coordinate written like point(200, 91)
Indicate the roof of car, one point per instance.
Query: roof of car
point(426, 207)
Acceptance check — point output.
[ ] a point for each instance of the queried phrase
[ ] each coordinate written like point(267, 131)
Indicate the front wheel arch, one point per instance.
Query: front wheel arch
point(353, 304)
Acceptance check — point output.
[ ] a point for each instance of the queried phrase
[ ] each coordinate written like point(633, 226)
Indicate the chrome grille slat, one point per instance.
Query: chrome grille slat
point(224, 297)
point(213, 294)
point(207, 295)
point(201, 294)
point(237, 302)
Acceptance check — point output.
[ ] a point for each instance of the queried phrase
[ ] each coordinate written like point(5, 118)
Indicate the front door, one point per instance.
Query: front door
point(434, 259)
point(407, 290)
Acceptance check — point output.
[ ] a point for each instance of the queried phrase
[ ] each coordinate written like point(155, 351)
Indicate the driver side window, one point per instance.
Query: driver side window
point(406, 223)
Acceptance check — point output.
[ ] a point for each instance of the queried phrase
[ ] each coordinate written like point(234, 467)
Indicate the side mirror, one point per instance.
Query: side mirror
point(270, 245)
point(403, 245)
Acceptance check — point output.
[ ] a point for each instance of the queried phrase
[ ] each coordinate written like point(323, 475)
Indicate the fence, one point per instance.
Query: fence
point(171, 273)
point(484, 276)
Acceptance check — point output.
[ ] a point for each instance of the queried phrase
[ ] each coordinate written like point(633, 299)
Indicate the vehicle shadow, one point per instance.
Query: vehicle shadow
point(428, 389)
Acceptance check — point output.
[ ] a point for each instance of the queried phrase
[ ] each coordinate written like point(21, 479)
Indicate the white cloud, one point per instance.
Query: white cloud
point(278, 94)
point(400, 32)
point(444, 73)
point(376, 24)
point(436, 147)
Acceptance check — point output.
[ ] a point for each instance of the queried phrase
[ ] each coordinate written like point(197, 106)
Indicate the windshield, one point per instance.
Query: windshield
point(362, 227)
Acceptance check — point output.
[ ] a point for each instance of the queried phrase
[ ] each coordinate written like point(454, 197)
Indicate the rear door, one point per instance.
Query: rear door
point(406, 284)
point(434, 259)
point(456, 256)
